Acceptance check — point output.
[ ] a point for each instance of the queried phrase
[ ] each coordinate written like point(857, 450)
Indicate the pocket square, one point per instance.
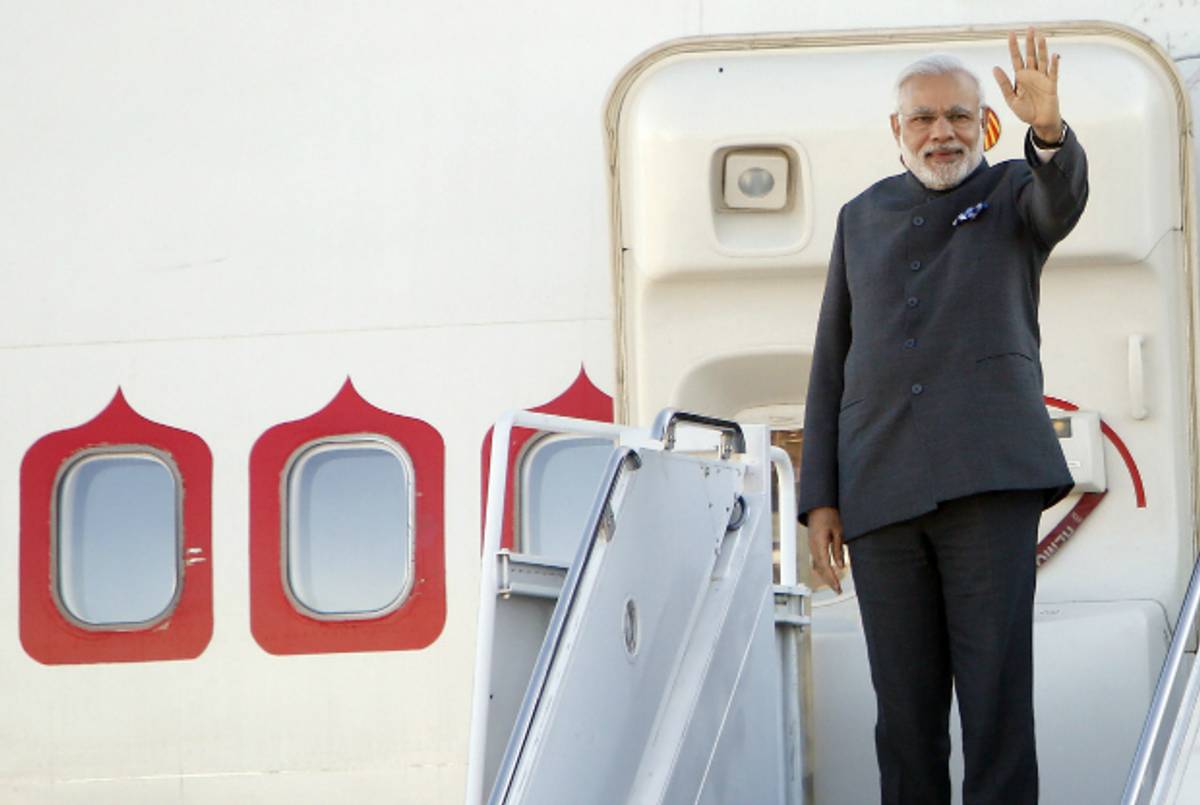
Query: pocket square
point(970, 213)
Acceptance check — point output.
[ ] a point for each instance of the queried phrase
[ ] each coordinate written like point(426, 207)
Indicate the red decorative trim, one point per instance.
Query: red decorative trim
point(1067, 527)
point(1056, 402)
point(277, 625)
point(1135, 474)
point(46, 633)
point(582, 400)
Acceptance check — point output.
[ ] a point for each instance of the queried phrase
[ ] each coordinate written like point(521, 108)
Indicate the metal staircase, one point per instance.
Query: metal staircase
point(662, 665)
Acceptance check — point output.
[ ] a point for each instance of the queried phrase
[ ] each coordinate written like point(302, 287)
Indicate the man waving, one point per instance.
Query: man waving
point(928, 449)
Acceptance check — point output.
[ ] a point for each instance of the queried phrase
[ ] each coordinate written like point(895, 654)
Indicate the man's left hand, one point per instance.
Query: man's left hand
point(1034, 98)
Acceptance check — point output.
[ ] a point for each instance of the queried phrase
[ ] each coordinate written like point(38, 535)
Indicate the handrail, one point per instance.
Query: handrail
point(493, 528)
point(663, 429)
point(787, 516)
point(600, 523)
point(1143, 784)
point(1165, 785)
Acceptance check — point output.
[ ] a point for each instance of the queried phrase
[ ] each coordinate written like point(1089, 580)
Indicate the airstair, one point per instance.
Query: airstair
point(1166, 768)
point(662, 664)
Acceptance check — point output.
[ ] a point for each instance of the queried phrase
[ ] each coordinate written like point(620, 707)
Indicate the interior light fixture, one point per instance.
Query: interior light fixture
point(756, 179)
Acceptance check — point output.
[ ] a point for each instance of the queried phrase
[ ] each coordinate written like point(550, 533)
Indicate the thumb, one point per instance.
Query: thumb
point(1006, 87)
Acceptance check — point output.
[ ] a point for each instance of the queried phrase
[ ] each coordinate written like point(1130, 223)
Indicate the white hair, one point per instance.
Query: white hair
point(936, 64)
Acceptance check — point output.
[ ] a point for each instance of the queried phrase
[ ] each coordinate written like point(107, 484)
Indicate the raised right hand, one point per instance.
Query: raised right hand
point(1033, 92)
point(825, 545)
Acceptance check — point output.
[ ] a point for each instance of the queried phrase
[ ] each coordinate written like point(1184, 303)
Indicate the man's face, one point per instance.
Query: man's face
point(938, 128)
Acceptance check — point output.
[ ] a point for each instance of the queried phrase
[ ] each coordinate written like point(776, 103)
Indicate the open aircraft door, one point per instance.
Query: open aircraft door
point(730, 159)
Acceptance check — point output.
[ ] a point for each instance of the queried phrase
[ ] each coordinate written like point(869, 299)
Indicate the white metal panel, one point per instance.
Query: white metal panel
point(600, 701)
point(1183, 785)
point(682, 112)
point(718, 732)
point(691, 710)
point(746, 762)
point(1095, 667)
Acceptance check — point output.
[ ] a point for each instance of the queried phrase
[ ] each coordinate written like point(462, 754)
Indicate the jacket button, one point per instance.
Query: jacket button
point(912, 301)
point(910, 343)
point(915, 265)
point(917, 388)
point(918, 221)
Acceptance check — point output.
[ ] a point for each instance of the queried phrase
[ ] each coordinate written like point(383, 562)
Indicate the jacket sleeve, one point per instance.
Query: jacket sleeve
point(1053, 197)
point(819, 460)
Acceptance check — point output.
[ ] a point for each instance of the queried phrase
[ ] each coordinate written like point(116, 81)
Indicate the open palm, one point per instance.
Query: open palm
point(1033, 93)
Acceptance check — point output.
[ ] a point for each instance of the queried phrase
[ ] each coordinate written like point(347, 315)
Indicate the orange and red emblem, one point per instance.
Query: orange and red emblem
point(991, 128)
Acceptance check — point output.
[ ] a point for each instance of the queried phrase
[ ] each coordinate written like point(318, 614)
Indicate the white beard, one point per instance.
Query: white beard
point(943, 176)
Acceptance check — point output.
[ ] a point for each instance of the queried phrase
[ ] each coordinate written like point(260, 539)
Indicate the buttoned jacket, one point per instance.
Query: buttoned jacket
point(926, 380)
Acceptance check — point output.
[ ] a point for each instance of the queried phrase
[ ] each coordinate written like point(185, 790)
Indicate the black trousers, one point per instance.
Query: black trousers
point(947, 599)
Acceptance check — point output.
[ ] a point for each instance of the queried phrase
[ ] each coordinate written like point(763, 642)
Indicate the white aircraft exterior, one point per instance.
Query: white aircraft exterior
point(246, 241)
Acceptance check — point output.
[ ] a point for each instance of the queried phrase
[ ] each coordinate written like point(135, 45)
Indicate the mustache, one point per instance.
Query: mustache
point(942, 174)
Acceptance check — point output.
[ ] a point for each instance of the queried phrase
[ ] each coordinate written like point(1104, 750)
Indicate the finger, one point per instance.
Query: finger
point(1054, 69)
point(1043, 55)
point(835, 550)
point(1006, 87)
point(818, 546)
point(1030, 50)
point(825, 572)
point(1015, 52)
point(831, 578)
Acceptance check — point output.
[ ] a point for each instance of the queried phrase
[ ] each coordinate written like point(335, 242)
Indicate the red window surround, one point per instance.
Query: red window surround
point(47, 634)
point(582, 400)
point(277, 625)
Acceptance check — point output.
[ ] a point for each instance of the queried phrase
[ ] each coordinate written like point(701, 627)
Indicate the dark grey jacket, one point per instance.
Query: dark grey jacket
point(926, 380)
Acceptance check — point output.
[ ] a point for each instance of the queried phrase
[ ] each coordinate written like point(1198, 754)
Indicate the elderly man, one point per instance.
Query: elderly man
point(928, 448)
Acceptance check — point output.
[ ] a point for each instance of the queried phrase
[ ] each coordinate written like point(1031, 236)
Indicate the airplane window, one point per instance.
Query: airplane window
point(559, 479)
point(118, 541)
point(349, 527)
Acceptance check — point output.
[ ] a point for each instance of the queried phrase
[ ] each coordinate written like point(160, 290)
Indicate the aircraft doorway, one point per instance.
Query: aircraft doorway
point(718, 292)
